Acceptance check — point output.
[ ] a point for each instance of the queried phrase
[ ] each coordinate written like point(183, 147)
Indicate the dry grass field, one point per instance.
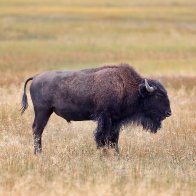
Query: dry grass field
point(157, 37)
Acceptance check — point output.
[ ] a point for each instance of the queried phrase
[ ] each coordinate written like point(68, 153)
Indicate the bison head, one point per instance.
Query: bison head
point(155, 105)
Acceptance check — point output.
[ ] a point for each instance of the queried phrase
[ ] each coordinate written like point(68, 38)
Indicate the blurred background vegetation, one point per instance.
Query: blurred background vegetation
point(156, 37)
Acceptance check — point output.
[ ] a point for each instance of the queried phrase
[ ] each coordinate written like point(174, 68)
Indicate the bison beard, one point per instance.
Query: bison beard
point(111, 95)
point(147, 123)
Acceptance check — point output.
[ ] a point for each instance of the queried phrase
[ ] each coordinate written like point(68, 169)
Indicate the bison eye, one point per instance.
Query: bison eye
point(159, 95)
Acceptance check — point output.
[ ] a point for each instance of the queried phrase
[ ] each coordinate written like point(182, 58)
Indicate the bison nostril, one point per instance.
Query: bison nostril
point(168, 113)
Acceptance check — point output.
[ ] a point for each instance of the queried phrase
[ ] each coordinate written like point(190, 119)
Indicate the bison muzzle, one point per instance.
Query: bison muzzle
point(110, 95)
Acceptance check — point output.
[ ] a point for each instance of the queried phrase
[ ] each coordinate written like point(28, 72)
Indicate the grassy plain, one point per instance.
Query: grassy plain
point(157, 37)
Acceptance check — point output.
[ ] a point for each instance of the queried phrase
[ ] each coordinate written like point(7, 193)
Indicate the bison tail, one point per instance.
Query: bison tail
point(24, 102)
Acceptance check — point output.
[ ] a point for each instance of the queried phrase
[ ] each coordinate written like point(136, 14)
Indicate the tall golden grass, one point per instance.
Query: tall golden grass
point(162, 164)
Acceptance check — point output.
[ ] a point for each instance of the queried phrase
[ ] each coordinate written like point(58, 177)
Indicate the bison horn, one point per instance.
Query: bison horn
point(148, 87)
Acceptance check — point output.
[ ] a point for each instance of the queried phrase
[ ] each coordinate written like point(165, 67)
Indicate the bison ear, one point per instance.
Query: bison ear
point(142, 90)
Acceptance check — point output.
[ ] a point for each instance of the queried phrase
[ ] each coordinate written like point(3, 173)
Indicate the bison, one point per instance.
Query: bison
point(111, 95)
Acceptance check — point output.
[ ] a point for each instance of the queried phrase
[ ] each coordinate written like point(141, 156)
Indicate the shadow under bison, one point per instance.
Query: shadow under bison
point(110, 95)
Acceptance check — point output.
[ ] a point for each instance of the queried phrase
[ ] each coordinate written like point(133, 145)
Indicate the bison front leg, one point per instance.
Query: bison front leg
point(40, 121)
point(114, 136)
point(102, 134)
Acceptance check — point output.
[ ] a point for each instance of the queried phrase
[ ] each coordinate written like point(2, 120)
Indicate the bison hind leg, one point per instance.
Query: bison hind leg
point(40, 121)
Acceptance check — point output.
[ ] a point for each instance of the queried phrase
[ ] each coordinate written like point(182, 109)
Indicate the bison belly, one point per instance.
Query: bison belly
point(73, 106)
point(74, 112)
